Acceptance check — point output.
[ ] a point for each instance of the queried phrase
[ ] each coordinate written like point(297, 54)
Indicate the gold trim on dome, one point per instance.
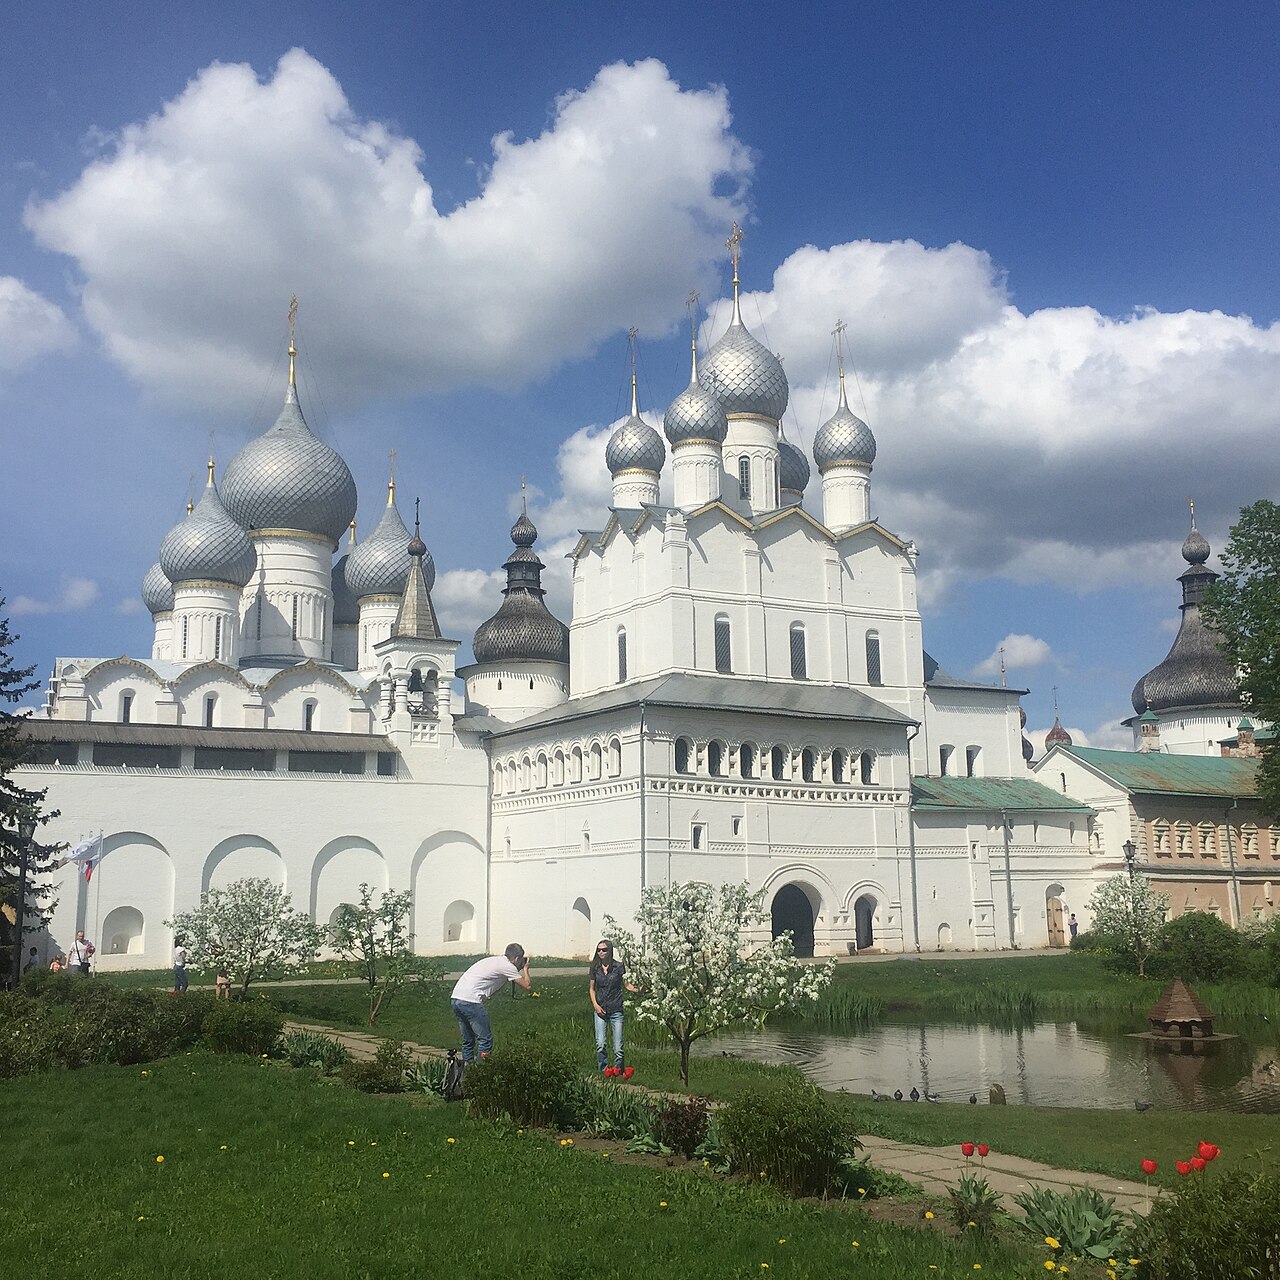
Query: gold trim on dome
point(680, 444)
point(220, 583)
point(635, 471)
point(755, 417)
point(380, 598)
point(844, 462)
point(301, 534)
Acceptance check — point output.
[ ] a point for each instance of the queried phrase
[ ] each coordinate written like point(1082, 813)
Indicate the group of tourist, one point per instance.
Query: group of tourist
point(606, 982)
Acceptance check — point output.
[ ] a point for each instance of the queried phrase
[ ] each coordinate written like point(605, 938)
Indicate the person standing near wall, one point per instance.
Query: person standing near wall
point(179, 966)
point(606, 980)
point(485, 978)
point(79, 955)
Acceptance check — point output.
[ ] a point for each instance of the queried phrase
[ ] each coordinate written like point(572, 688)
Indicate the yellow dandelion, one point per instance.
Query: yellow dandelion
point(1062, 1270)
point(568, 1142)
point(856, 1245)
point(264, 1055)
point(1111, 1275)
point(662, 1204)
point(762, 1173)
point(971, 1223)
point(350, 1143)
point(928, 1215)
point(386, 1175)
point(159, 1159)
point(451, 1141)
point(782, 1239)
point(1052, 1243)
point(605, 1154)
point(374, 1143)
point(223, 1147)
point(519, 1132)
point(706, 1164)
point(142, 1217)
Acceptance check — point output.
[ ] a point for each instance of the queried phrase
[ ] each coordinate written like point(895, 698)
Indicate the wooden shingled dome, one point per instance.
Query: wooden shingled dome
point(1180, 1013)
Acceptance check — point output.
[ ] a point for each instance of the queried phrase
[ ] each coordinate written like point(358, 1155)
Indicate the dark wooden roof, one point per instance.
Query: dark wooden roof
point(1178, 1003)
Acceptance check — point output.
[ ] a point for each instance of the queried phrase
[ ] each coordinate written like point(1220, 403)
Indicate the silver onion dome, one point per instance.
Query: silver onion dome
point(346, 612)
point(379, 565)
point(287, 479)
point(634, 446)
point(523, 629)
point(744, 375)
point(844, 438)
point(208, 546)
point(695, 414)
point(157, 591)
point(793, 467)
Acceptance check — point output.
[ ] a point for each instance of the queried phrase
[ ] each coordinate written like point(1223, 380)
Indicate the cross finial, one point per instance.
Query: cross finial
point(632, 334)
point(1055, 701)
point(417, 521)
point(211, 468)
point(524, 496)
point(838, 334)
point(1003, 681)
point(293, 334)
point(1191, 502)
point(692, 303)
point(391, 477)
point(733, 244)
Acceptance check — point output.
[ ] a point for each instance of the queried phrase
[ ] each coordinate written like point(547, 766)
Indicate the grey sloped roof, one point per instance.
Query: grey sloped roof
point(936, 678)
point(170, 735)
point(725, 693)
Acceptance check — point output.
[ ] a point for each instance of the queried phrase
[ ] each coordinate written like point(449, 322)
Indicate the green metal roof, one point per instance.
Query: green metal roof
point(1010, 794)
point(1155, 772)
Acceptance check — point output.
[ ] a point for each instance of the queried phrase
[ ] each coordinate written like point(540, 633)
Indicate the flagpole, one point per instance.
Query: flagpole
point(97, 913)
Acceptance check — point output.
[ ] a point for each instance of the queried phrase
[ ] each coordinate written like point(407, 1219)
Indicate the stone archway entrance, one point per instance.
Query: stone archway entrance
point(793, 911)
point(864, 916)
point(1054, 919)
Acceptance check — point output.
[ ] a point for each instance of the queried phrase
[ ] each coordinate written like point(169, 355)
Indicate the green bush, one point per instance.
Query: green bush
point(311, 1049)
point(1083, 1221)
point(972, 1203)
point(1213, 1228)
point(385, 1074)
point(236, 1026)
point(1198, 947)
point(682, 1126)
point(793, 1134)
point(609, 1110)
point(532, 1083)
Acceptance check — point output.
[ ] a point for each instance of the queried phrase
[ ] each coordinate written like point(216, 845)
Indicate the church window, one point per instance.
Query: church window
point(867, 768)
point(526, 773)
point(1161, 832)
point(944, 760)
point(293, 626)
point(258, 618)
point(809, 764)
point(1208, 839)
point(799, 659)
point(1184, 837)
point(1249, 839)
point(747, 760)
point(185, 634)
point(126, 702)
point(497, 779)
point(698, 837)
point(736, 826)
point(744, 479)
point(873, 658)
point(210, 705)
point(778, 763)
point(622, 655)
point(542, 773)
point(724, 647)
point(971, 761)
point(557, 769)
point(597, 758)
point(715, 758)
point(840, 765)
point(575, 765)
point(217, 639)
point(615, 757)
point(684, 752)
point(309, 714)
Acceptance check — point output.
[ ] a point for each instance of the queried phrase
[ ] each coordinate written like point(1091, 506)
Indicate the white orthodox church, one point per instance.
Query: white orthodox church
point(742, 692)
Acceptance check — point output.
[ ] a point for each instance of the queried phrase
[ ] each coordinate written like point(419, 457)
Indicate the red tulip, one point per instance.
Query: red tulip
point(1198, 1163)
point(1207, 1151)
point(983, 1150)
point(966, 1148)
point(628, 1073)
point(1183, 1167)
point(1148, 1167)
point(610, 1072)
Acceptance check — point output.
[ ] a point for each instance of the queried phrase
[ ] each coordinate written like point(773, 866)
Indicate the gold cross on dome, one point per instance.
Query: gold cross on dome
point(293, 333)
point(732, 243)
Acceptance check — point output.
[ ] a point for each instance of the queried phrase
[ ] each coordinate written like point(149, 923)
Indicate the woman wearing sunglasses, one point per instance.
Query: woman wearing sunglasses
point(607, 981)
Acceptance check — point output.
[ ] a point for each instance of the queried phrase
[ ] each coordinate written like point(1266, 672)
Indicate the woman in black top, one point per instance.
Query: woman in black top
point(607, 980)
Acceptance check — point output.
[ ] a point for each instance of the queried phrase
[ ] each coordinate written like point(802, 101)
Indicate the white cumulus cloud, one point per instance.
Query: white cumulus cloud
point(195, 225)
point(30, 325)
point(75, 594)
point(1020, 652)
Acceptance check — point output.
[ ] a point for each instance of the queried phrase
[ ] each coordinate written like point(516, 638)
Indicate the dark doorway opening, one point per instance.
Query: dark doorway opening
point(792, 910)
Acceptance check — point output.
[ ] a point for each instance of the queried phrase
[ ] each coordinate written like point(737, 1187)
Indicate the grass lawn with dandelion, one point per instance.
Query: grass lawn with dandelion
point(206, 1166)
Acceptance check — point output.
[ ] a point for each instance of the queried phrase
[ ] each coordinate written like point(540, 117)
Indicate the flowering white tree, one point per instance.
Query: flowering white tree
point(1128, 908)
point(696, 971)
point(250, 929)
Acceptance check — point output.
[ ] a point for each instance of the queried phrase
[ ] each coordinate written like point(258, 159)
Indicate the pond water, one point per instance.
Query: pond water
point(1051, 1064)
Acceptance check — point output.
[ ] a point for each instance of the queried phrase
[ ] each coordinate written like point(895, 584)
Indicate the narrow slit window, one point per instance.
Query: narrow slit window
point(622, 655)
point(744, 479)
point(724, 646)
point(873, 658)
point(799, 659)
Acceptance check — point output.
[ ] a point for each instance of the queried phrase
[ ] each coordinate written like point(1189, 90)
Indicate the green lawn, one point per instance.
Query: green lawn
point(271, 1172)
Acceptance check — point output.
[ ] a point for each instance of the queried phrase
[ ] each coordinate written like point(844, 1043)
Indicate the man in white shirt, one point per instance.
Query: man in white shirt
point(79, 954)
point(179, 966)
point(482, 980)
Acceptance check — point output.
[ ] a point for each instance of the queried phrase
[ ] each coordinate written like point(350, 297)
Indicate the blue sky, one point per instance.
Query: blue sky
point(1050, 230)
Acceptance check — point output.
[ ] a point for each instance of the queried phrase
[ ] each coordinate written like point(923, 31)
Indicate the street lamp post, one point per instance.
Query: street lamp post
point(1130, 856)
point(26, 834)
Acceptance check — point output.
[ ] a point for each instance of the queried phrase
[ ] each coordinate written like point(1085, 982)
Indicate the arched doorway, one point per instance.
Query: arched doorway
point(864, 917)
point(793, 911)
point(1053, 916)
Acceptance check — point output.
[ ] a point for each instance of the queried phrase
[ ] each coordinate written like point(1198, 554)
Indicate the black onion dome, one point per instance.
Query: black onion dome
point(793, 467)
point(1195, 672)
point(523, 629)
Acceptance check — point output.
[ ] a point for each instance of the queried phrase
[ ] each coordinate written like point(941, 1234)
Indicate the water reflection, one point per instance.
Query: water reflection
point(1051, 1064)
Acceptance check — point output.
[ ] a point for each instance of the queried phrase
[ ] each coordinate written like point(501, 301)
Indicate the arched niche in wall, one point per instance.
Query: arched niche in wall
point(447, 868)
point(241, 858)
point(339, 870)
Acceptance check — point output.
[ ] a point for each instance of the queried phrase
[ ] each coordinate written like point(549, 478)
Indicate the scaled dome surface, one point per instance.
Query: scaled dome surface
point(695, 414)
point(793, 467)
point(744, 375)
point(635, 446)
point(844, 437)
point(287, 479)
point(208, 546)
point(379, 565)
point(157, 591)
point(523, 629)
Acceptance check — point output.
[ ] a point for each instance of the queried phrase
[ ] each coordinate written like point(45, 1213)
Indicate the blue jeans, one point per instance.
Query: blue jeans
point(179, 977)
point(613, 1020)
point(473, 1023)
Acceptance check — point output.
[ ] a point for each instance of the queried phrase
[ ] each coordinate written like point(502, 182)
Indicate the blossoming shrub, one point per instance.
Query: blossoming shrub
point(791, 1133)
point(532, 1083)
point(1214, 1227)
point(242, 1026)
point(682, 1126)
point(1083, 1220)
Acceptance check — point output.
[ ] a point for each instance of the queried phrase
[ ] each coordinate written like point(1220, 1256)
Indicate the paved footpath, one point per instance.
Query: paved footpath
point(936, 1169)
